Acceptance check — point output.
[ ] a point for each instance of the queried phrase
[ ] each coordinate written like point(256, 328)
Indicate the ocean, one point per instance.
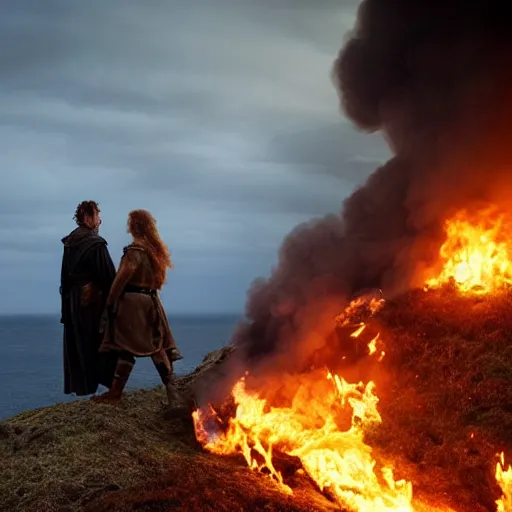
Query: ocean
point(31, 357)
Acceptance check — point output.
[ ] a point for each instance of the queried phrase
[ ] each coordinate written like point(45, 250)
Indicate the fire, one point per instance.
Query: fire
point(504, 479)
point(337, 460)
point(364, 306)
point(322, 422)
point(308, 427)
point(475, 255)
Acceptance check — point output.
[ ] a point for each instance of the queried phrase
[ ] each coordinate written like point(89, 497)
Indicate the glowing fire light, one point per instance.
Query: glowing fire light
point(336, 458)
point(367, 305)
point(475, 255)
point(323, 424)
point(504, 479)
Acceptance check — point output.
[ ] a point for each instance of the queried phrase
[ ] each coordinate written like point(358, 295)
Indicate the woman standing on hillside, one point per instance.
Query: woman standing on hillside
point(137, 325)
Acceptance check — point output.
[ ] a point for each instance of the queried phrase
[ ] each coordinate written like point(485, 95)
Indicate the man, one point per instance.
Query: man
point(86, 277)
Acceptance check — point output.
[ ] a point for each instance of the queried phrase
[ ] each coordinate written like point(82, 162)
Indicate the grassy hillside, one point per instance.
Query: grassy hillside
point(134, 456)
point(86, 456)
point(445, 387)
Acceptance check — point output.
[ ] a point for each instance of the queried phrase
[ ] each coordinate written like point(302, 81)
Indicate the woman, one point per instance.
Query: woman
point(136, 322)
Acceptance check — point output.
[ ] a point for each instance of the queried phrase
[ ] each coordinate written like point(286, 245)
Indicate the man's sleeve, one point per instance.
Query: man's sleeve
point(63, 290)
point(106, 271)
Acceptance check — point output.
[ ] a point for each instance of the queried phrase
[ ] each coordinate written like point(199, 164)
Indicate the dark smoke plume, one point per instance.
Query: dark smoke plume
point(434, 76)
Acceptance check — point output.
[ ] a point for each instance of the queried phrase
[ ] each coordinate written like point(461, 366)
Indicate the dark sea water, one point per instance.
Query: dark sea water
point(31, 357)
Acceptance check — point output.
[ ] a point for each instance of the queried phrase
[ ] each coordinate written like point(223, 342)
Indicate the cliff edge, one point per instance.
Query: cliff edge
point(133, 456)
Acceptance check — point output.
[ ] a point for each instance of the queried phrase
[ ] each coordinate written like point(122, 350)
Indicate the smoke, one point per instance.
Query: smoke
point(434, 77)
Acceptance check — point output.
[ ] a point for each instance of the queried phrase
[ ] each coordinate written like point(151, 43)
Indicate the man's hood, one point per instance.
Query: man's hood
point(79, 235)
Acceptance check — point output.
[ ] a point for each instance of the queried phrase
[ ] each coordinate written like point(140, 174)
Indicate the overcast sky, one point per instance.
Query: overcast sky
point(219, 116)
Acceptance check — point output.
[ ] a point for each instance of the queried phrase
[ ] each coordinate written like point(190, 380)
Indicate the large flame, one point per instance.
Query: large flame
point(309, 427)
point(337, 460)
point(476, 253)
point(322, 421)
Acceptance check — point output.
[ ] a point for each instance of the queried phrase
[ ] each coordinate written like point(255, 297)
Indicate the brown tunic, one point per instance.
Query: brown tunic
point(140, 325)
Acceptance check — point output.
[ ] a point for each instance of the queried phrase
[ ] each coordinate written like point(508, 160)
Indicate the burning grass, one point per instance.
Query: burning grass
point(444, 398)
point(446, 393)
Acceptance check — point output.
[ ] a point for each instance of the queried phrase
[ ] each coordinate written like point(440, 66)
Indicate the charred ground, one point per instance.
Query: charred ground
point(445, 398)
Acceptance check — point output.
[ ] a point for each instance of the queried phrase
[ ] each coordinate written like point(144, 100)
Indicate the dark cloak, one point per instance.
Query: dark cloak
point(86, 277)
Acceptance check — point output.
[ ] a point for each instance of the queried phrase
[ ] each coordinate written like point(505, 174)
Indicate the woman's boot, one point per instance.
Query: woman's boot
point(165, 370)
point(124, 368)
point(173, 354)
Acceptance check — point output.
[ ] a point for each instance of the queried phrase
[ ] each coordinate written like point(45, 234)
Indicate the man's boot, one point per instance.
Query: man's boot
point(124, 368)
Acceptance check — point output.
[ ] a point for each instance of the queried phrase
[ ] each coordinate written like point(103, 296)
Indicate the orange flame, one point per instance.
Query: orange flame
point(504, 479)
point(475, 255)
point(366, 305)
point(337, 460)
point(335, 457)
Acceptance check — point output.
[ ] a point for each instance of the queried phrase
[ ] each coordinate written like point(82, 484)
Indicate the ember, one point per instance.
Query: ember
point(475, 255)
point(364, 306)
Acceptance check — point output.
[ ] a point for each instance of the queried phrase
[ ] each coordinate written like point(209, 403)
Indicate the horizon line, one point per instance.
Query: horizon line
point(175, 313)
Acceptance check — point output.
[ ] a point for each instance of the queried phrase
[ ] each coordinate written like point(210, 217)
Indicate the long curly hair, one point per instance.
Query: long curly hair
point(142, 226)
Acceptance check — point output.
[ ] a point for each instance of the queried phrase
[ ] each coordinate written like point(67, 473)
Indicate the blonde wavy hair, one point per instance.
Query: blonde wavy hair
point(142, 226)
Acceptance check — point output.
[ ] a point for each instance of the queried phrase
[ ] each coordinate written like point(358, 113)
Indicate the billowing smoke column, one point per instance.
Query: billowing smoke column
point(435, 77)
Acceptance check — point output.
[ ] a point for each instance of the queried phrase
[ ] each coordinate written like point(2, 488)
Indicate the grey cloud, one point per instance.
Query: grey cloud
point(334, 149)
point(219, 117)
